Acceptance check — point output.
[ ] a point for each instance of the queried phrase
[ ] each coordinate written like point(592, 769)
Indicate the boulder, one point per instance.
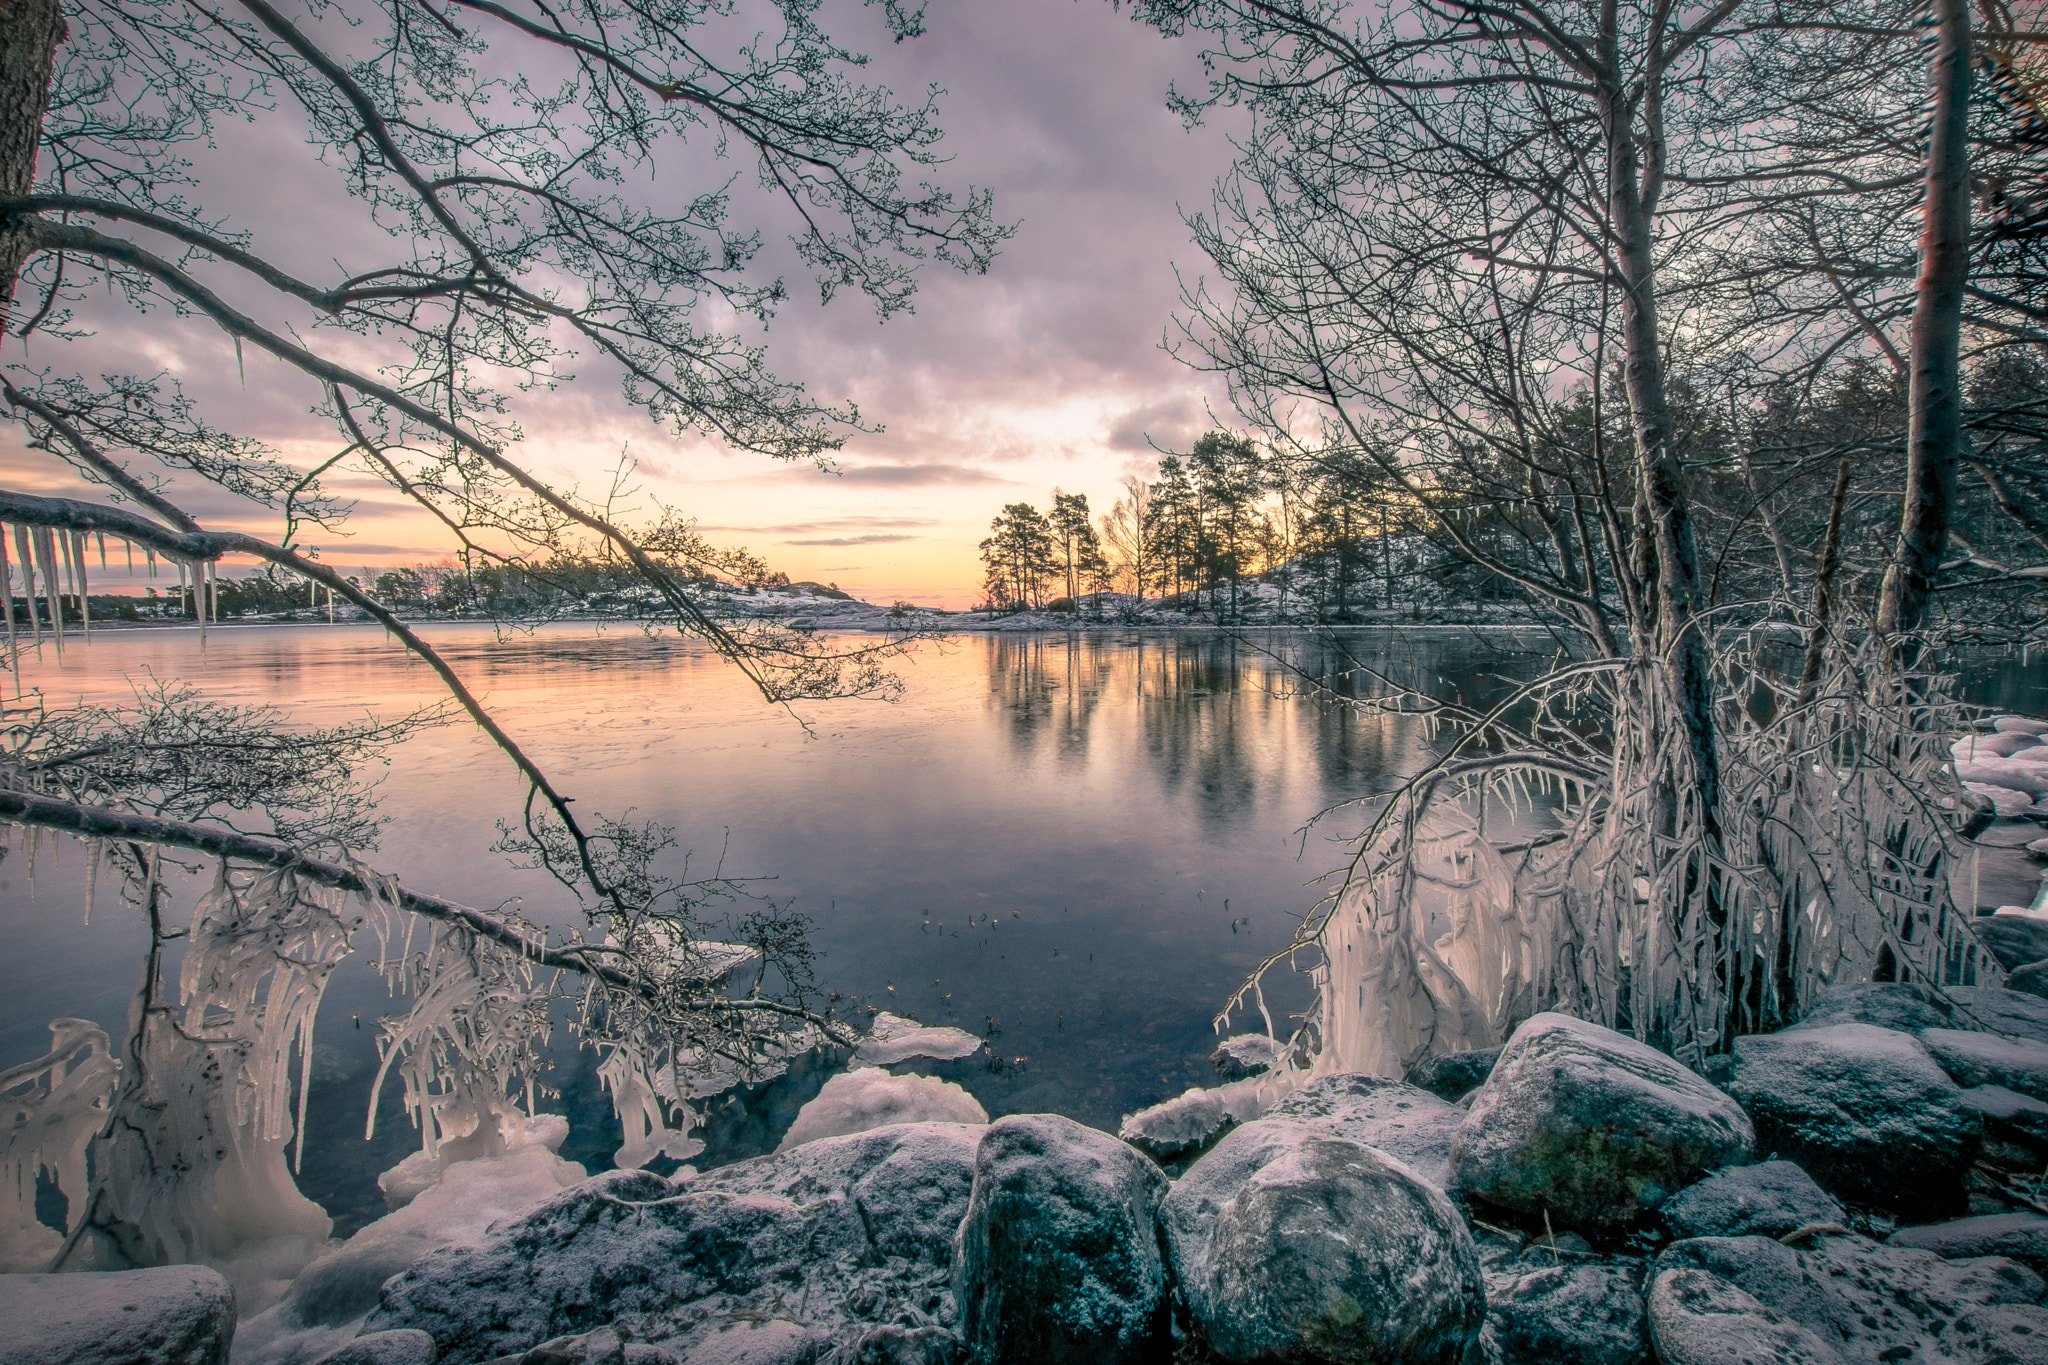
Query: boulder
point(1867, 1302)
point(403, 1347)
point(169, 1315)
point(1058, 1257)
point(2032, 979)
point(842, 1233)
point(2015, 940)
point(1882, 1004)
point(744, 1341)
point(1404, 1121)
point(1769, 1199)
point(1248, 1054)
point(1866, 1111)
point(1335, 1252)
point(893, 1344)
point(1973, 1059)
point(1182, 1128)
point(1588, 1314)
point(602, 1347)
point(1454, 1075)
point(1591, 1127)
point(2021, 1237)
point(1993, 1009)
point(1188, 1216)
point(2015, 1128)
point(1697, 1318)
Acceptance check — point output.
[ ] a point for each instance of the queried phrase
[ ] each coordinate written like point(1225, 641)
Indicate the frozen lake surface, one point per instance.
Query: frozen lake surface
point(1126, 808)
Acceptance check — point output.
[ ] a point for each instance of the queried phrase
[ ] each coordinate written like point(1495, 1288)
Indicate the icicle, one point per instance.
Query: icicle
point(84, 588)
point(7, 602)
point(53, 596)
point(330, 606)
point(149, 558)
point(103, 549)
point(199, 573)
point(130, 547)
point(23, 543)
point(240, 373)
point(92, 875)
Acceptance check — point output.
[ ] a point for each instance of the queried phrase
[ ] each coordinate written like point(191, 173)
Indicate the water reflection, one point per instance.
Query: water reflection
point(1073, 845)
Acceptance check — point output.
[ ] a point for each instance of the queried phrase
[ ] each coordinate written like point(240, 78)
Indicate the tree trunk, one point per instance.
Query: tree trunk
point(29, 33)
point(1934, 432)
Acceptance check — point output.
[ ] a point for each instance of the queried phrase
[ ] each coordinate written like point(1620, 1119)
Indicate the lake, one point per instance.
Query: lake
point(1074, 845)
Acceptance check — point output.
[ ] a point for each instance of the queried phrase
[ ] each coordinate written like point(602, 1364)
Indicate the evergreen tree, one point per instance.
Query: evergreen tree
point(1018, 556)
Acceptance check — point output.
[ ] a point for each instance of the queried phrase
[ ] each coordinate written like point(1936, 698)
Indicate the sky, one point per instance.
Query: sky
point(1048, 371)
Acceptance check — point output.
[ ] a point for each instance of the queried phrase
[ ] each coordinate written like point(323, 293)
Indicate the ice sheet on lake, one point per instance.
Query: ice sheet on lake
point(894, 1039)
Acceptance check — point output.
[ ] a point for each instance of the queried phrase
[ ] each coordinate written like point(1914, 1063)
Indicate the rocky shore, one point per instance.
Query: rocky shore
point(1859, 1188)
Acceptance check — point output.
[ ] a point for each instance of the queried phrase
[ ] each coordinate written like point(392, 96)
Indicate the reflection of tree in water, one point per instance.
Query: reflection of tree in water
point(1049, 688)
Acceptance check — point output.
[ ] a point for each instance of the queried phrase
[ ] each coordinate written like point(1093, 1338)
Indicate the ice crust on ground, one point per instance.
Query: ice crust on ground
point(893, 1039)
point(868, 1097)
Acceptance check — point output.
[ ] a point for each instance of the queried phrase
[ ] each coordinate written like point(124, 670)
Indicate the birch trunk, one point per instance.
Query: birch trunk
point(1934, 432)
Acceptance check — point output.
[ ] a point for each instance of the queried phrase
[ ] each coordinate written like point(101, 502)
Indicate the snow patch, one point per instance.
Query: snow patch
point(894, 1039)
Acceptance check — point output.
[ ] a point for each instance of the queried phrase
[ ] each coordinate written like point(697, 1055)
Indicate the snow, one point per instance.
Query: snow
point(2020, 725)
point(2005, 800)
point(892, 1039)
point(326, 1304)
point(868, 1097)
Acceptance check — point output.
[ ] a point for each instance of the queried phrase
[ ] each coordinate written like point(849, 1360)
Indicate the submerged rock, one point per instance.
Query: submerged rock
point(1698, 1318)
point(1867, 1302)
point(2021, 1237)
point(1248, 1054)
point(1591, 1127)
point(1589, 1315)
point(1769, 1199)
point(1334, 1252)
point(169, 1315)
point(1454, 1075)
point(843, 1233)
point(1404, 1121)
point(1881, 1004)
point(1058, 1257)
point(1866, 1111)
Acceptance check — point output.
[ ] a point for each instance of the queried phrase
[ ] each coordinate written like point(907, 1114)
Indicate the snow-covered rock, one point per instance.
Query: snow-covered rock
point(1999, 744)
point(1592, 1127)
point(326, 1304)
point(1454, 1075)
point(2020, 725)
point(837, 1235)
point(1973, 1059)
point(1589, 1315)
point(1058, 1258)
point(1334, 1252)
point(2021, 1237)
point(1698, 1318)
point(1330, 1186)
point(2014, 940)
point(891, 1039)
point(2031, 979)
point(1248, 1054)
point(868, 1097)
point(170, 1315)
point(1870, 1302)
point(2015, 1128)
point(2008, 801)
point(1190, 1123)
point(1993, 1009)
point(1404, 1121)
point(1883, 1004)
point(1769, 1199)
point(1865, 1111)
point(403, 1347)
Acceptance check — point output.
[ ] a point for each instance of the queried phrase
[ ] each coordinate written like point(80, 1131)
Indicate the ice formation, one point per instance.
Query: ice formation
point(892, 1039)
point(51, 1108)
point(869, 1097)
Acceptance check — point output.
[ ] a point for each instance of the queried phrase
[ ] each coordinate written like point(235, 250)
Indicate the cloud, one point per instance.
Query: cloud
point(1171, 423)
point(853, 540)
point(830, 524)
point(912, 475)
